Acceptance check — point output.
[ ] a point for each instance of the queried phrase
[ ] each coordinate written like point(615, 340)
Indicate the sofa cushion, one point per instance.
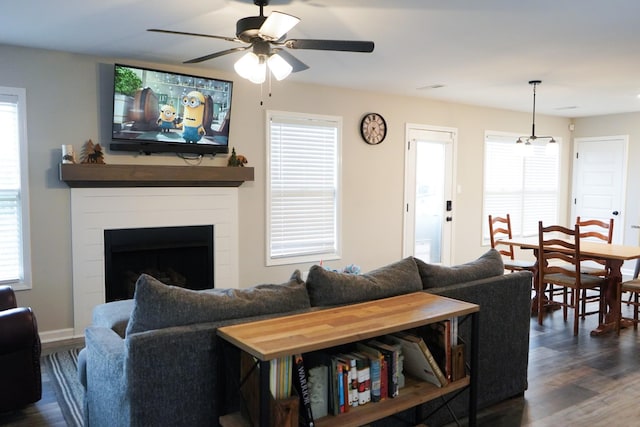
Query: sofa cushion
point(157, 305)
point(329, 288)
point(433, 276)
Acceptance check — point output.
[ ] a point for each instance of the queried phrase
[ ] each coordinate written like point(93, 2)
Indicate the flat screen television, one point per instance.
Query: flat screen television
point(159, 111)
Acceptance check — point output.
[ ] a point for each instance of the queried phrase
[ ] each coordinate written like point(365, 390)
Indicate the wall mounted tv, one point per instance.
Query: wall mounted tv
point(158, 111)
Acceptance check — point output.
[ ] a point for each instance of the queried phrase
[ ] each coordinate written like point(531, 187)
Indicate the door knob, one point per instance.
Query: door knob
point(615, 212)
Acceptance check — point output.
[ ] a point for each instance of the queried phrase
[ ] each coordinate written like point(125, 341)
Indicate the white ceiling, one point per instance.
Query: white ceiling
point(482, 52)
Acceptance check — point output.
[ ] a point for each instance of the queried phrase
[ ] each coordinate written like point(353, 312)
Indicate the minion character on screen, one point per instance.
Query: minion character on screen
point(167, 119)
point(191, 125)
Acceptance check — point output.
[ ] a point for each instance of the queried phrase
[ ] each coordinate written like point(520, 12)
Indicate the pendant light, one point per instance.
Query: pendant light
point(532, 138)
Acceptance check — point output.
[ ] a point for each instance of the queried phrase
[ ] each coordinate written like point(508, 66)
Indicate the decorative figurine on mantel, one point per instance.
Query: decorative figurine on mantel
point(236, 159)
point(92, 153)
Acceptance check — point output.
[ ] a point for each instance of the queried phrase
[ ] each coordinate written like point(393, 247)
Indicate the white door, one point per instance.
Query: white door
point(429, 204)
point(599, 180)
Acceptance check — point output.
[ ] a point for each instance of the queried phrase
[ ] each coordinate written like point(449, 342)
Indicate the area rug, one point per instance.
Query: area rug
point(62, 367)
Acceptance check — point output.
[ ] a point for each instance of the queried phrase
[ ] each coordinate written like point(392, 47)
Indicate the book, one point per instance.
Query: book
point(438, 339)
point(364, 378)
point(375, 369)
point(349, 371)
point(458, 370)
point(418, 360)
point(391, 352)
point(319, 390)
point(301, 385)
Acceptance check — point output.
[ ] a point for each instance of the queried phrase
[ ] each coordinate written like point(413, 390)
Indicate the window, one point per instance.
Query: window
point(521, 181)
point(15, 266)
point(303, 187)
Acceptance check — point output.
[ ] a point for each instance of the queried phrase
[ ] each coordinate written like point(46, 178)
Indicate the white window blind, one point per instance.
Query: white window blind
point(14, 261)
point(303, 194)
point(521, 182)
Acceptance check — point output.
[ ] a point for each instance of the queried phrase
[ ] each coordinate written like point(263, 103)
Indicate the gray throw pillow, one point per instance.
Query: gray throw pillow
point(434, 276)
point(157, 305)
point(329, 288)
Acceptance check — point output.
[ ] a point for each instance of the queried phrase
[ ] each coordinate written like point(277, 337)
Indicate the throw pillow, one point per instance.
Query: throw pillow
point(434, 276)
point(329, 288)
point(157, 305)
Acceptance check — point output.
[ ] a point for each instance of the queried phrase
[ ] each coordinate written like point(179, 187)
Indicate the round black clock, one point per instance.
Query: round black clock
point(373, 128)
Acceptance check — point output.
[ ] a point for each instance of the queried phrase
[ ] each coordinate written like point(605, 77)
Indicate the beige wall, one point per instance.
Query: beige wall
point(68, 102)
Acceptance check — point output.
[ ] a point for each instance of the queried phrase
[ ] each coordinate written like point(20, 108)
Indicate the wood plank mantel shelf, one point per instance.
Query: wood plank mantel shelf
point(99, 176)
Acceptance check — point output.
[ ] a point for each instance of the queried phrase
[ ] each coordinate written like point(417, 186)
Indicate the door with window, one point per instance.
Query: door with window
point(429, 193)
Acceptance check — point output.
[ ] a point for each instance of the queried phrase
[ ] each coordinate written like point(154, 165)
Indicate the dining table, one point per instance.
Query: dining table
point(614, 256)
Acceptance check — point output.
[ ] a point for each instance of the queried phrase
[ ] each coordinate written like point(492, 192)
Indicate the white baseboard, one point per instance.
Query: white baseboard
point(58, 335)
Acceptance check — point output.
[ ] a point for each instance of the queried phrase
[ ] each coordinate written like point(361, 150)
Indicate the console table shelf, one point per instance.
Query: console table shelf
point(318, 330)
point(98, 176)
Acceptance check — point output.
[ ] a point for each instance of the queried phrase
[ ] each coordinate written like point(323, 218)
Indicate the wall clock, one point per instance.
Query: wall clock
point(373, 128)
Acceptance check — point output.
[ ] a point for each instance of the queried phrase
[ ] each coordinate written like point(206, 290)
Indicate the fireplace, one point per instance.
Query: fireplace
point(178, 256)
point(95, 210)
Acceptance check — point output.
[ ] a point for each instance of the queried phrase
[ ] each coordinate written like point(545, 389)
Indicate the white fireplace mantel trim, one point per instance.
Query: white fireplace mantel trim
point(94, 210)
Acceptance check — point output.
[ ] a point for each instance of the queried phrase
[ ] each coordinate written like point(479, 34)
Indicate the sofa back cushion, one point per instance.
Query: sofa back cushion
point(158, 306)
point(434, 276)
point(329, 288)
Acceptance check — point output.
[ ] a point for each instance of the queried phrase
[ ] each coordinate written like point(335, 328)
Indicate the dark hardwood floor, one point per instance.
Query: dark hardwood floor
point(573, 381)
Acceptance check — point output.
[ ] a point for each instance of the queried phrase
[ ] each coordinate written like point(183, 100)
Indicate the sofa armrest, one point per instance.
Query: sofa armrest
point(18, 330)
point(105, 396)
point(504, 323)
point(7, 298)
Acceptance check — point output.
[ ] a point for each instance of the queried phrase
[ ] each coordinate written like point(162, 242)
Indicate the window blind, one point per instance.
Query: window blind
point(522, 183)
point(10, 206)
point(303, 186)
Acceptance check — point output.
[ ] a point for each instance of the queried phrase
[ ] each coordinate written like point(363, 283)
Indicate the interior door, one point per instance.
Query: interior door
point(429, 204)
point(599, 180)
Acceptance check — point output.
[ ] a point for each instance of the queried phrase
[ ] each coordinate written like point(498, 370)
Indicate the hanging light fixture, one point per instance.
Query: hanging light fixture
point(253, 65)
point(532, 138)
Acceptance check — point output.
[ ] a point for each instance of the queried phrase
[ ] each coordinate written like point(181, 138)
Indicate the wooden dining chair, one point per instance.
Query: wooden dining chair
point(597, 230)
point(500, 228)
point(559, 261)
point(633, 287)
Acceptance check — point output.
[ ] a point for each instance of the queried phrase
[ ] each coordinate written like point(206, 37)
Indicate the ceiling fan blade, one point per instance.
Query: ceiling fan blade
point(182, 33)
point(339, 45)
point(216, 55)
point(277, 25)
point(292, 60)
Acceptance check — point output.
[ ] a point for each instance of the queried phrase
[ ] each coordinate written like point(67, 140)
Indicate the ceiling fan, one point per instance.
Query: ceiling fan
point(265, 39)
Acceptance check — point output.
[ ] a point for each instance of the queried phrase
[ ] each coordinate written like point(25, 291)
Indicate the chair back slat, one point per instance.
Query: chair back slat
point(501, 231)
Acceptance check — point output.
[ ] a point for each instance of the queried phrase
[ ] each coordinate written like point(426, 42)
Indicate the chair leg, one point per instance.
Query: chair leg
point(576, 309)
point(635, 311)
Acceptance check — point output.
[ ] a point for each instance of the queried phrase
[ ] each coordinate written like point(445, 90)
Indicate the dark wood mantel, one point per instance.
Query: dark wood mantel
point(95, 175)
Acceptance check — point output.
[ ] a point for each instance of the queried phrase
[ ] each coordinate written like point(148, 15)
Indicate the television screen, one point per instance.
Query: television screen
point(160, 111)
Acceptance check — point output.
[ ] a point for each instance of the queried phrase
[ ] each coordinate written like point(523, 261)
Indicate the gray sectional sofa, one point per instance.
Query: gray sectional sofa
point(155, 360)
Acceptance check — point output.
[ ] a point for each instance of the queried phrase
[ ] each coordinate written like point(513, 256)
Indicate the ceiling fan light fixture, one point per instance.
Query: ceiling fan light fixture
point(279, 67)
point(277, 25)
point(246, 65)
point(259, 73)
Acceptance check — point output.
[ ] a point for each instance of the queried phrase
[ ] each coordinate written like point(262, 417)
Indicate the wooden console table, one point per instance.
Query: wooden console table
point(317, 330)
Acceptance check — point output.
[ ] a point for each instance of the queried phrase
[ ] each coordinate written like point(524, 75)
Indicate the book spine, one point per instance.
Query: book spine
point(340, 388)
point(301, 385)
point(353, 383)
point(364, 381)
point(375, 371)
point(432, 361)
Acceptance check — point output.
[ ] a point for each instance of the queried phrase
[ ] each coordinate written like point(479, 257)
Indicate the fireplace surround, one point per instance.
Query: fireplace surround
point(94, 210)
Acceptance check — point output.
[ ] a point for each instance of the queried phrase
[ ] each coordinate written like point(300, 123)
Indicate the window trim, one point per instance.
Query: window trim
point(335, 255)
point(25, 280)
